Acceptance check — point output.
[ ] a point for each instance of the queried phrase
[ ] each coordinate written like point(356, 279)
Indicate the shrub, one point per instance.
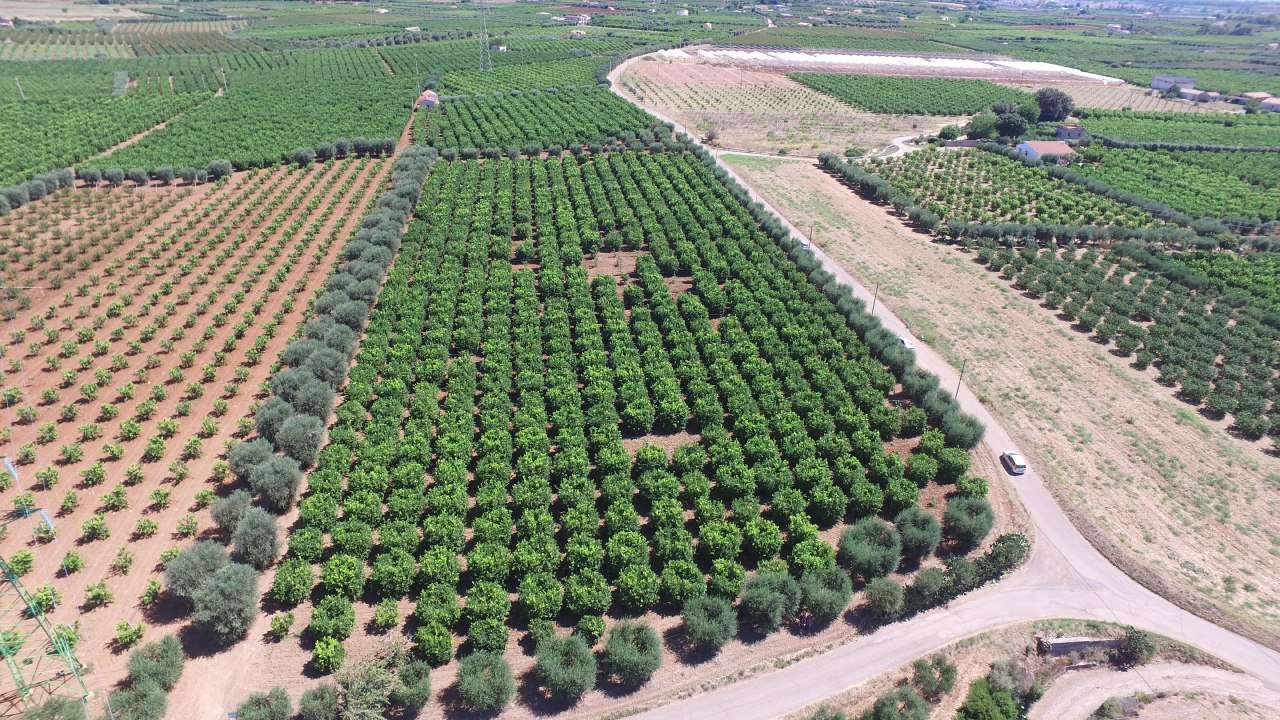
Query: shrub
point(256, 540)
point(933, 678)
point(709, 622)
point(633, 652)
point(826, 592)
point(929, 588)
point(968, 520)
point(140, 701)
point(1138, 648)
point(565, 667)
point(274, 705)
point(901, 704)
point(319, 703)
point(485, 682)
point(884, 599)
point(185, 574)
point(159, 662)
point(919, 533)
point(415, 686)
point(227, 603)
point(869, 549)
point(769, 600)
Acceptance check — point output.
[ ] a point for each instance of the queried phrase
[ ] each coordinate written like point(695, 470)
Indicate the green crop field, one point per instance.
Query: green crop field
point(914, 96)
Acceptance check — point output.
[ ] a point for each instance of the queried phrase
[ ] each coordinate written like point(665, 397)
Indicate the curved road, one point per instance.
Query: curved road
point(1064, 578)
point(1077, 695)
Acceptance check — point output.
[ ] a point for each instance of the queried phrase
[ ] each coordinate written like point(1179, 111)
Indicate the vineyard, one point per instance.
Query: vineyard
point(515, 120)
point(1128, 97)
point(588, 412)
point(127, 377)
point(914, 95)
point(1192, 129)
point(1219, 355)
point(984, 187)
point(1203, 184)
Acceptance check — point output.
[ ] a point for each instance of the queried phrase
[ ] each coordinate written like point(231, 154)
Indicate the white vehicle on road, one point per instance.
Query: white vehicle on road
point(1013, 462)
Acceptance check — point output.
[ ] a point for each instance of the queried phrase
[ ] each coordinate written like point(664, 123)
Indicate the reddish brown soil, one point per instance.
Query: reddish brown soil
point(97, 648)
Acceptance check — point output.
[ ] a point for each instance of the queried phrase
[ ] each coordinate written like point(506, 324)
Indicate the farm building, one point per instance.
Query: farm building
point(1036, 149)
point(1070, 132)
point(1164, 82)
point(1246, 98)
point(428, 99)
point(1270, 104)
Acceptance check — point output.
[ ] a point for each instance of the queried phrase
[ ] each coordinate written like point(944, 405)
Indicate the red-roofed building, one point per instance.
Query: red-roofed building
point(1036, 149)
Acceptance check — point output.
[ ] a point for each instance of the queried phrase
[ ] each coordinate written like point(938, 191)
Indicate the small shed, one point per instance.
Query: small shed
point(428, 99)
point(577, 33)
point(1164, 82)
point(1270, 104)
point(1036, 149)
point(1068, 131)
point(1210, 96)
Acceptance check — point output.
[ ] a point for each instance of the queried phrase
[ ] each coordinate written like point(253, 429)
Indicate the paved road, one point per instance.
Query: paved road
point(1076, 696)
point(1064, 578)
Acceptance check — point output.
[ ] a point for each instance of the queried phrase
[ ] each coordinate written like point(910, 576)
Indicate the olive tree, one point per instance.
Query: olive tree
point(769, 600)
point(709, 622)
point(869, 549)
point(565, 667)
point(256, 540)
point(485, 682)
point(227, 603)
point(187, 573)
point(633, 652)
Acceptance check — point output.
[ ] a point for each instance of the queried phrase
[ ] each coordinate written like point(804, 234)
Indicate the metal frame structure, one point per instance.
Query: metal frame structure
point(40, 661)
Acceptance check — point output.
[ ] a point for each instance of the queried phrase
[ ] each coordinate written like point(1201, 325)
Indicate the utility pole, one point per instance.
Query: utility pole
point(24, 95)
point(963, 364)
point(875, 297)
point(486, 62)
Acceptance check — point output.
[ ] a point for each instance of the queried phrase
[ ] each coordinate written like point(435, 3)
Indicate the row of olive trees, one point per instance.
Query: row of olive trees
point(15, 196)
point(220, 588)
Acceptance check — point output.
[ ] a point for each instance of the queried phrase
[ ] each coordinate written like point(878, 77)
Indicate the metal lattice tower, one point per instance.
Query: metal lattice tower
point(486, 62)
point(39, 659)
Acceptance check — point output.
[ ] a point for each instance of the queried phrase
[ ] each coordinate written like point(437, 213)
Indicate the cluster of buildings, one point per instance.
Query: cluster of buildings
point(1187, 91)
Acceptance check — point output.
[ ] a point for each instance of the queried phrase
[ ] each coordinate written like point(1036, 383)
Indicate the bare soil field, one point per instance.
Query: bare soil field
point(124, 390)
point(62, 10)
point(1184, 705)
point(1168, 496)
point(1127, 97)
point(763, 111)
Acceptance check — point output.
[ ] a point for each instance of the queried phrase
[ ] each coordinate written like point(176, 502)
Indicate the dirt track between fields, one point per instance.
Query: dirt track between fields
point(1076, 696)
point(1065, 577)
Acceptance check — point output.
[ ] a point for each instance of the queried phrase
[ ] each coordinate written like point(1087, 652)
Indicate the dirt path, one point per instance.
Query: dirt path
point(385, 64)
point(1076, 696)
point(406, 137)
point(1065, 577)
